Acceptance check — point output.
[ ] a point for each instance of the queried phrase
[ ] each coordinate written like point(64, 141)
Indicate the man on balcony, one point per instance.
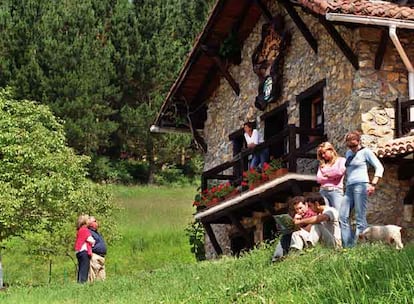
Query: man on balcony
point(253, 138)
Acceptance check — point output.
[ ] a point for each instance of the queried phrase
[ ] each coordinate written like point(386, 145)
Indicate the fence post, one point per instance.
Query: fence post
point(1, 274)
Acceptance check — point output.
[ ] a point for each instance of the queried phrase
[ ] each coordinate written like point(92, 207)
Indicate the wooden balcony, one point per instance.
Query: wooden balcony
point(308, 140)
point(250, 210)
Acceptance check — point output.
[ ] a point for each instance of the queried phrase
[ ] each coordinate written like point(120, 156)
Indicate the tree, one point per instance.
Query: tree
point(43, 184)
point(58, 53)
point(103, 67)
point(165, 32)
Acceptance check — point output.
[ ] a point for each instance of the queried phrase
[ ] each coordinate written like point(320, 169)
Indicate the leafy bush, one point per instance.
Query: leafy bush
point(138, 170)
point(43, 184)
point(171, 175)
point(102, 169)
point(195, 233)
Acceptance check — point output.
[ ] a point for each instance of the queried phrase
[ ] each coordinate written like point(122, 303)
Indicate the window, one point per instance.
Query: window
point(404, 117)
point(275, 122)
point(311, 114)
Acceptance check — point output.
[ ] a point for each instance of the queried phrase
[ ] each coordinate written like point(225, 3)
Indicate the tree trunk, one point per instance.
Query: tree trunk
point(150, 159)
point(1, 274)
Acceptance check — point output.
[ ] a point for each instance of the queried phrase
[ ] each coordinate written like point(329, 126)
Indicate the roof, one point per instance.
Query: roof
point(200, 76)
point(383, 9)
point(396, 147)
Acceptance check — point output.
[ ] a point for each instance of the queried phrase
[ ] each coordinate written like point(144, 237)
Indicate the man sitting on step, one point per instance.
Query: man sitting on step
point(325, 226)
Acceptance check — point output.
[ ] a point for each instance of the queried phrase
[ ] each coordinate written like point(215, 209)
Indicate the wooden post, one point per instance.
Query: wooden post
point(212, 237)
point(292, 148)
point(258, 232)
point(203, 182)
point(382, 47)
point(398, 118)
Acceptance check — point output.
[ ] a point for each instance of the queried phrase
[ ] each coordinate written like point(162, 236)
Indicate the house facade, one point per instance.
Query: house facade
point(345, 65)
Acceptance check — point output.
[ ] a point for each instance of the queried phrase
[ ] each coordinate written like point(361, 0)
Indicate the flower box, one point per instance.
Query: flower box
point(278, 173)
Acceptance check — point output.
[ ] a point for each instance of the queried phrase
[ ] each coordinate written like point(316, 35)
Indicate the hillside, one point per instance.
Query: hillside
point(163, 271)
point(368, 274)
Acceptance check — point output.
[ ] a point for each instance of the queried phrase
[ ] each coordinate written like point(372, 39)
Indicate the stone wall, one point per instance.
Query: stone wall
point(375, 91)
point(353, 99)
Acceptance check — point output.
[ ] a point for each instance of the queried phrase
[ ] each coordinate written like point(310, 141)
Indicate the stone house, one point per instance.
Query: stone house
point(305, 71)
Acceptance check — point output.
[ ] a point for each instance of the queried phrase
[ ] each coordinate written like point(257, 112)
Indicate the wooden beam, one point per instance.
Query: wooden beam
point(243, 15)
point(222, 177)
point(303, 28)
point(201, 92)
point(210, 233)
point(219, 63)
point(264, 10)
point(235, 86)
point(340, 42)
point(382, 47)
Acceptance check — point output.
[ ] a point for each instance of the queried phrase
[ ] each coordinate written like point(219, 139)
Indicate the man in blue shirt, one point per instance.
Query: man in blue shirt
point(97, 264)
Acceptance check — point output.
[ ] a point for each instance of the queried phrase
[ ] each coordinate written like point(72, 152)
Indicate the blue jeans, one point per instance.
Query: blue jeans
point(355, 197)
point(333, 198)
point(282, 247)
point(259, 157)
point(83, 266)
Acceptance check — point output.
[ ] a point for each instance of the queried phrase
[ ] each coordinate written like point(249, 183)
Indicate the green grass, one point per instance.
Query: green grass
point(366, 274)
point(152, 228)
point(154, 266)
point(151, 224)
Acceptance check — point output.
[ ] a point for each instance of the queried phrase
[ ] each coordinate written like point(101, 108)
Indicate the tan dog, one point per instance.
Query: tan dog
point(388, 233)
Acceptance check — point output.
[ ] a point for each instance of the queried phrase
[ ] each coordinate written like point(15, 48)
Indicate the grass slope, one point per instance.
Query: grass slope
point(151, 225)
point(152, 228)
point(366, 274)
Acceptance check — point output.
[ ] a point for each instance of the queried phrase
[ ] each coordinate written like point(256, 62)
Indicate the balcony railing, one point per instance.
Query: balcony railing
point(287, 136)
point(404, 120)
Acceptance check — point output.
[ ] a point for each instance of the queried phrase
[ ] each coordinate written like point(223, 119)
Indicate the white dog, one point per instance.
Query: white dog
point(388, 233)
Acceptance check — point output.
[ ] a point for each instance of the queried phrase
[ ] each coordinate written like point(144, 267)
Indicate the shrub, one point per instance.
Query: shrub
point(195, 233)
point(126, 171)
point(171, 175)
point(43, 184)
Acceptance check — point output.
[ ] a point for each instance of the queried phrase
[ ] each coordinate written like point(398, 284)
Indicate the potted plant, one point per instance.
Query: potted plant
point(275, 168)
point(214, 195)
point(253, 178)
point(226, 191)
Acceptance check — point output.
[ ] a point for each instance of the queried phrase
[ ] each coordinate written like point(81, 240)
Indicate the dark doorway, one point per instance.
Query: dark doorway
point(275, 122)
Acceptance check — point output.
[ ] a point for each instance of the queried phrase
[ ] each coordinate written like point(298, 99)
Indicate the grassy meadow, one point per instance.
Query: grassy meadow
point(152, 264)
point(151, 225)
